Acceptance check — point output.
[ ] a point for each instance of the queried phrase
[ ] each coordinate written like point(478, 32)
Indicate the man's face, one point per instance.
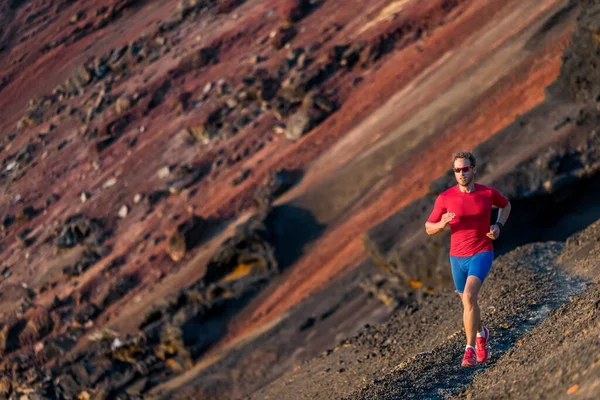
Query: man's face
point(466, 173)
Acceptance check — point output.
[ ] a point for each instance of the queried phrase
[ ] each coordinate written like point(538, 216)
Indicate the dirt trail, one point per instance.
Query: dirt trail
point(419, 377)
point(539, 294)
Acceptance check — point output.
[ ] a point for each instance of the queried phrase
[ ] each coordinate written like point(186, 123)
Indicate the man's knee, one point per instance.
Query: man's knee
point(469, 297)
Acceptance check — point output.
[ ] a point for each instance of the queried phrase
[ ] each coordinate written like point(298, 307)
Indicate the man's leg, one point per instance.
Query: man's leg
point(471, 313)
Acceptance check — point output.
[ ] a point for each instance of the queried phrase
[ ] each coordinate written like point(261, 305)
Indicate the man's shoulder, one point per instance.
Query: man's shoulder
point(480, 187)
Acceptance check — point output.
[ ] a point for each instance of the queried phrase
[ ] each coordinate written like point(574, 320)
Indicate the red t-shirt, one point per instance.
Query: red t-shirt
point(472, 217)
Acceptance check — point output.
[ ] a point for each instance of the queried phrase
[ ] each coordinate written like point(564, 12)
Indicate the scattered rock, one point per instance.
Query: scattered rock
point(12, 165)
point(78, 16)
point(7, 221)
point(76, 229)
point(202, 133)
point(123, 211)
point(123, 105)
point(275, 185)
point(69, 389)
point(268, 90)
point(39, 324)
point(164, 172)
point(196, 60)
point(110, 183)
point(185, 176)
point(87, 312)
point(283, 35)
point(297, 125)
point(85, 196)
point(207, 88)
point(80, 78)
point(241, 177)
point(6, 272)
point(293, 10)
point(52, 199)
point(187, 235)
point(157, 195)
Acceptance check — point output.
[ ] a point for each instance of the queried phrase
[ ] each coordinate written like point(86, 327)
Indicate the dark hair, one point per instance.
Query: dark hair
point(464, 154)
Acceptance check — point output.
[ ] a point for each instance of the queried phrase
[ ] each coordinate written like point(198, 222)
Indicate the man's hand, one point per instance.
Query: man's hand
point(447, 218)
point(494, 232)
point(434, 227)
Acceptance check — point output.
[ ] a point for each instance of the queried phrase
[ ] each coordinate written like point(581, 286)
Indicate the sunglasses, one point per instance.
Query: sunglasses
point(463, 169)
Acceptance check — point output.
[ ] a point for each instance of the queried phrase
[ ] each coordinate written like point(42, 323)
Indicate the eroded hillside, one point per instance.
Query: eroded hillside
point(186, 185)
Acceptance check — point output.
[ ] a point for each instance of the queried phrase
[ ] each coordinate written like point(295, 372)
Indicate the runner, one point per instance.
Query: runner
point(467, 208)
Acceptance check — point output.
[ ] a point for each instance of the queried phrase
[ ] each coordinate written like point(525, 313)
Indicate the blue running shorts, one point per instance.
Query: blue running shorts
point(478, 265)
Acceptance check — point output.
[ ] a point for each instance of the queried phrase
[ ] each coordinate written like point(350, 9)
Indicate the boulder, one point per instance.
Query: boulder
point(76, 229)
point(297, 125)
point(197, 59)
point(187, 235)
point(274, 186)
point(282, 35)
point(123, 104)
point(293, 10)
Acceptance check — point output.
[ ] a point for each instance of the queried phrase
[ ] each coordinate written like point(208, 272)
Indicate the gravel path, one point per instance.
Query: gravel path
point(417, 353)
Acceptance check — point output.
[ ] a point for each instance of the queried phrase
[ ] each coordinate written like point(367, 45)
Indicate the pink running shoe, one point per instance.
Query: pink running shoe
point(469, 360)
point(481, 346)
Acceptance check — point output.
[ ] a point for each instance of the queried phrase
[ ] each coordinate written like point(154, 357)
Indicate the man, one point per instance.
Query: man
point(467, 208)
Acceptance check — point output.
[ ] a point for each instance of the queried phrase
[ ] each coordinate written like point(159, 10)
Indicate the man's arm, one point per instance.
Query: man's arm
point(434, 227)
point(503, 214)
point(439, 217)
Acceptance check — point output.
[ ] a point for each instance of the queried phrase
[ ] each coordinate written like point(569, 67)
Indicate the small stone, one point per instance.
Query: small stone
point(39, 346)
point(122, 105)
point(207, 88)
point(84, 396)
point(109, 183)
point(232, 103)
point(85, 196)
point(255, 59)
point(573, 389)
point(116, 344)
point(6, 272)
point(164, 172)
point(297, 125)
point(123, 211)
point(11, 166)
point(137, 198)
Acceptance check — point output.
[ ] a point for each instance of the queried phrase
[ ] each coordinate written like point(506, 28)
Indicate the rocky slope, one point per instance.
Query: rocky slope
point(545, 330)
point(185, 186)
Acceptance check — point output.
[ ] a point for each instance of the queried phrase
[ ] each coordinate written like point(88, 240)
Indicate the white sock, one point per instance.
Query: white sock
point(470, 347)
point(481, 334)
